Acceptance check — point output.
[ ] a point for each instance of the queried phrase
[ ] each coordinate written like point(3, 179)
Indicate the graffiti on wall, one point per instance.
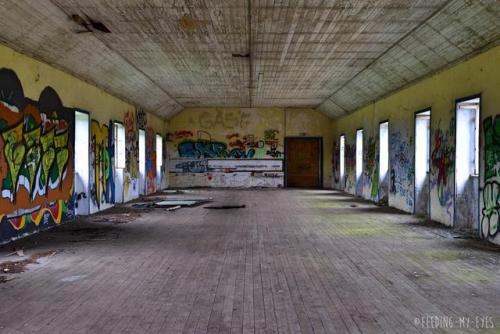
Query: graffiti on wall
point(131, 144)
point(131, 154)
point(141, 118)
point(370, 178)
point(150, 161)
point(236, 147)
point(491, 194)
point(350, 167)
point(193, 149)
point(225, 119)
point(442, 158)
point(36, 159)
point(102, 151)
point(182, 134)
point(189, 166)
point(272, 141)
point(401, 178)
point(336, 163)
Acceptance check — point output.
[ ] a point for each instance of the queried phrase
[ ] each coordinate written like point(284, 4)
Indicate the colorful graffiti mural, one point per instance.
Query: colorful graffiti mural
point(102, 151)
point(36, 159)
point(212, 149)
point(150, 161)
point(402, 167)
point(192, 148)
point(130, 179)
point(131, 144)
point(141, 118)
point(237, 147)
point(442, 158)
point(490, 212)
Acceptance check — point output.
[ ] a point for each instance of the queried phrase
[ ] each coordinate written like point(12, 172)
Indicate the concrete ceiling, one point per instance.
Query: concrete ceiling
point(337, 55)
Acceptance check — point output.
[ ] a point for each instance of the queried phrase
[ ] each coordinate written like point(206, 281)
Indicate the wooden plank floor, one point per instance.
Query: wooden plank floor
point(292, 261)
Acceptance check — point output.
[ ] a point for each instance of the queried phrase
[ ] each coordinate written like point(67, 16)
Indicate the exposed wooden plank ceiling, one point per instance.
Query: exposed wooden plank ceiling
point(460, 28)
point(166, 55)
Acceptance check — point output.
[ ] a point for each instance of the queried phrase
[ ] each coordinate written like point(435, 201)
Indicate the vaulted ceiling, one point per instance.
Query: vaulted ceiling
point(336, 55)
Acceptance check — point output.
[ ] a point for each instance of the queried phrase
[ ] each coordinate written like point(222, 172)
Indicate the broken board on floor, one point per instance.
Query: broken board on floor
point(176, 203)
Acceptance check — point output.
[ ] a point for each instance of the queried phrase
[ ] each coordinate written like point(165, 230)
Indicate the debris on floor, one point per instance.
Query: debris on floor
point(71, 279)
point(113, 218)
point(417, 275)
point(15, 267)
point(169, 203)
point(5, 279)
point(190, 198)
point(172, 191)
point(119, 214)
point(181, 202)
point(173, 208)
point(18, 252)
point(225, 206)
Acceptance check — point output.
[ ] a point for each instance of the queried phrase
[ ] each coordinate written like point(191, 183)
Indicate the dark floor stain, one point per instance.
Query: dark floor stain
point(225, 207)
point(92, 234)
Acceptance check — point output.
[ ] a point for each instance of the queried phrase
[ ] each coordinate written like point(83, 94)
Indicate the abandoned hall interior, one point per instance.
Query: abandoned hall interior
point(249, 166)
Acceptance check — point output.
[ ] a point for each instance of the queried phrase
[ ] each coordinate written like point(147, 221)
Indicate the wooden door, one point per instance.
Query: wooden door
point(303, 162)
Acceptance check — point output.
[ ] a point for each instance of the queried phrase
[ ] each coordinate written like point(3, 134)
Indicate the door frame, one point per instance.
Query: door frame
point(479, 174)
point(415, 160)
point(285, 165)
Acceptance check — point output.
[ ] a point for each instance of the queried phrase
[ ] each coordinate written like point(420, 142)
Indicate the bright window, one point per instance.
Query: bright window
point(119, 145)
point(384, 150)
point(142, 152)
point(159, 153)
point(359, 153)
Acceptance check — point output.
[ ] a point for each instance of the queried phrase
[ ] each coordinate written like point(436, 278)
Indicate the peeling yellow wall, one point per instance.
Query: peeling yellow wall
point(478, 75)
point(217, 124)
point(36, 75)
